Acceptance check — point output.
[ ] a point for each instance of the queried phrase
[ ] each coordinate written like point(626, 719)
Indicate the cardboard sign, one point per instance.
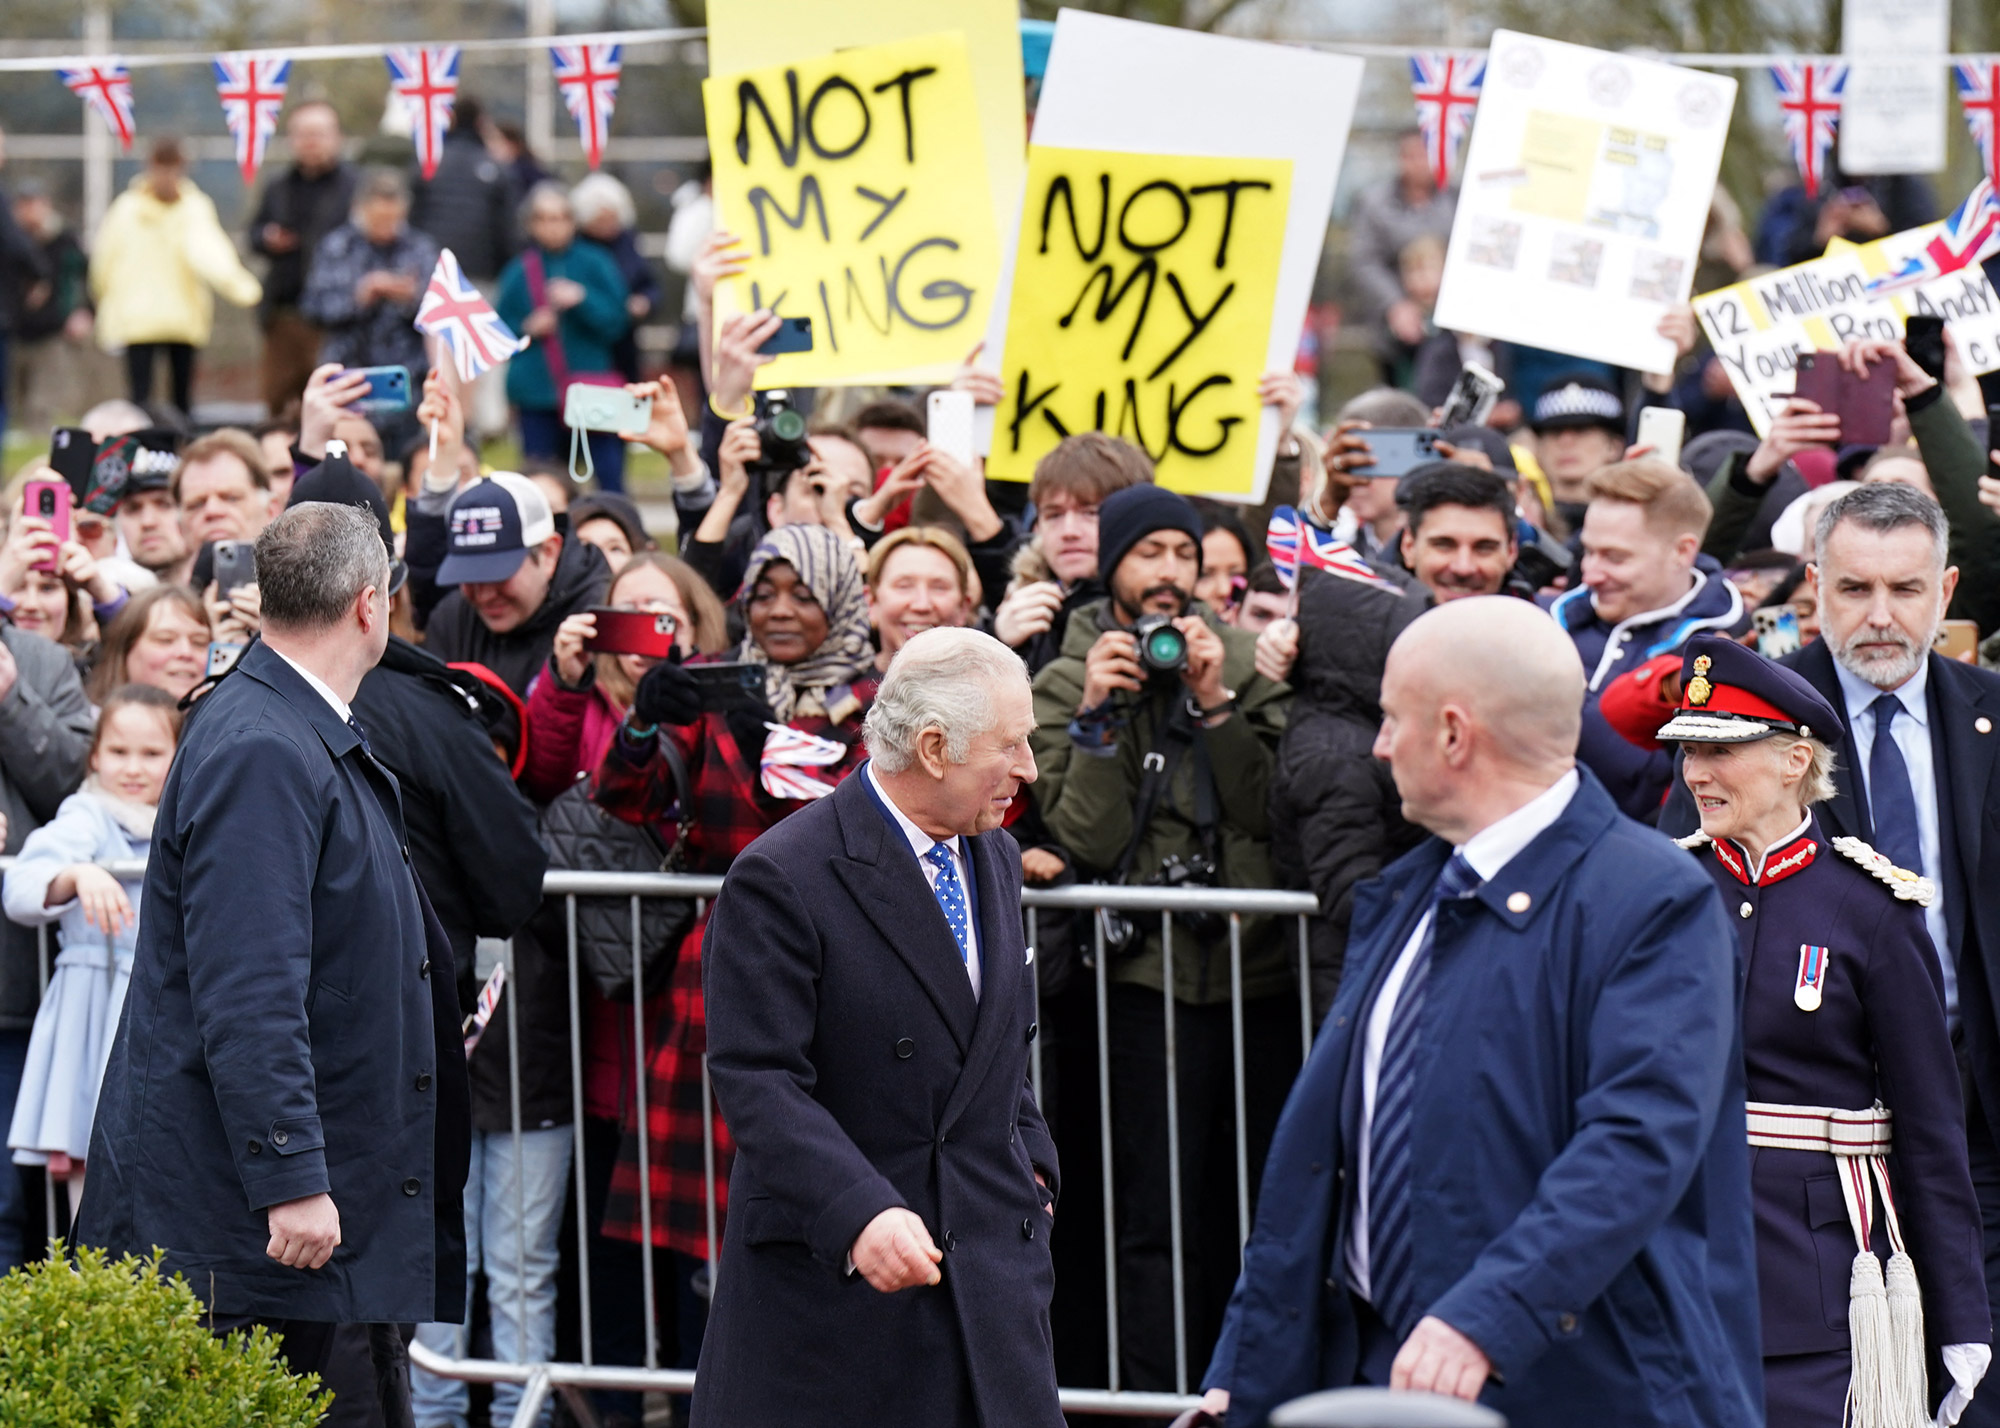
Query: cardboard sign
point(1141, 306)
point(856, 180)
point(1587, 185)
point(757, 34)
point(1121, 86)
point(1759, 326)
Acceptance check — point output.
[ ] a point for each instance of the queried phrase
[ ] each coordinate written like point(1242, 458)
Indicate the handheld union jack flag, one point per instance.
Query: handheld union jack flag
point(1810, 96)
point(107, 88)
point(252, 91)
point(1979, 93)
point(588, 75)
point(1446, 87)
point(1292, 541)
point(453, 311)
point(426, 81)
point(788, 752)
point(1968, 237)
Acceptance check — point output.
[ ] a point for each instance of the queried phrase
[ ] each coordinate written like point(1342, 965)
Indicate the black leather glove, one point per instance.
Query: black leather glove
point(667, 694)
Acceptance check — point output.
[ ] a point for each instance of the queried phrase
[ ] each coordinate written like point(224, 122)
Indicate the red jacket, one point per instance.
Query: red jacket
point(569, 732)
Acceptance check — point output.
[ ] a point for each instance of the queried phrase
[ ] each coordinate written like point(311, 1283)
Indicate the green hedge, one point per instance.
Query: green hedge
point(85, 1343)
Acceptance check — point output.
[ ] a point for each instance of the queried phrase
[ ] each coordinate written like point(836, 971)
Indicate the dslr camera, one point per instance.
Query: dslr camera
point(1121, 933)
point(1163, 649)
point(781, 433)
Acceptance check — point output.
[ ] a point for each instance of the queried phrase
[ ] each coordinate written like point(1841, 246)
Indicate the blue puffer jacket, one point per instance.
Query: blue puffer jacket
point(1637, 778)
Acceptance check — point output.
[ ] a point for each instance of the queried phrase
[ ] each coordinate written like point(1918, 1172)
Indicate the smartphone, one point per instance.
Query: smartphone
point(1957, 639)
point(731, 685)
point(1777, 629)
point(1992, 440)
point(388, 389)
point(1473, 397)
point(235, 566)
point(949, 425)
point(1923, 339)
point(51, 501)
point(1865, 405)
point(71, 452)
point(1398, 450)
point(1662, 429)
point(794, 334)
point(633, 632)
point(590, 408)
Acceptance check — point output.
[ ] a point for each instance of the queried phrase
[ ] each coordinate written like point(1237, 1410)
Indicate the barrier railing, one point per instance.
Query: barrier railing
point(573, 1382)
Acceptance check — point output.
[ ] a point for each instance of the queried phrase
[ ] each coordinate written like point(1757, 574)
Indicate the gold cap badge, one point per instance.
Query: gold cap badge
point(1699, 689)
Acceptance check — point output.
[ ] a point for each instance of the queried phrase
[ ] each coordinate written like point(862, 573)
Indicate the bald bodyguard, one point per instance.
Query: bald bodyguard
point(1514, 1169)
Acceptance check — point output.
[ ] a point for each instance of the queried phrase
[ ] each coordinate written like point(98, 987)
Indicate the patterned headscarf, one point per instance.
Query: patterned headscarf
point(827, 568)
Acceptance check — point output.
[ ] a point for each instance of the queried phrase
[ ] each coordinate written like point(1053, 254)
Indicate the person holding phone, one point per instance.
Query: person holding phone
point(367, 278)
point(807, 619)
point(53, 587)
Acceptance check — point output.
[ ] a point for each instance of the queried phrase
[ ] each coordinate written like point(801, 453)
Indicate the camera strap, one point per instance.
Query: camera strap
point(1158, 766)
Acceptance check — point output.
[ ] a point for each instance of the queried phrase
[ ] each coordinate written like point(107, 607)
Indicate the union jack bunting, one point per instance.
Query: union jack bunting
point(1979, 93)
point(453, 311)
point(107, 88)
point(1969, 236)
point(1446, 86)
point(1291, 541)
point(788, 752)
point(252, 91)
point(588, 75)
point(1810, 96)
point(426, 81)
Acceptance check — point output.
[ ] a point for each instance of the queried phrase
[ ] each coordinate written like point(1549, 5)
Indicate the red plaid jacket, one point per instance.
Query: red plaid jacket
point(731, 809)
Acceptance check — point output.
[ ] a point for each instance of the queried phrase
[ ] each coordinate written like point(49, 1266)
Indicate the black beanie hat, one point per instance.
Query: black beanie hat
point(336, 481)
point(1129, 516)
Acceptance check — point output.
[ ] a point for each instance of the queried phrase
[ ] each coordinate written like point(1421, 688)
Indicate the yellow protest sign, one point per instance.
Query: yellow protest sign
point(757, 34)
point(856, 181)
point(1141, 306)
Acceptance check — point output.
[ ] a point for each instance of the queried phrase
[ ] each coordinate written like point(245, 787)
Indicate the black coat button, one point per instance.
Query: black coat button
point(425, 970)
point(1027, 1229)
point(412, 1185)
point(905, 1049)
point(1034, 1028)
point(424, 1081)
point(256, 1148)
point(279, 1138)
point(950, 1241)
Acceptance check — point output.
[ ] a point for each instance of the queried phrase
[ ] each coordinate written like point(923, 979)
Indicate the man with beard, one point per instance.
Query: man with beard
point(1915, 775)
point(1156, 743)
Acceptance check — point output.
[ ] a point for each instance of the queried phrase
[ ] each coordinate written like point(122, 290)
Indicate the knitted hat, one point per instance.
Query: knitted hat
point(1129, 516)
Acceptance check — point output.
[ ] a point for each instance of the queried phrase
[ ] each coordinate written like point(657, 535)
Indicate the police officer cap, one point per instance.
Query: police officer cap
point(1730, 694)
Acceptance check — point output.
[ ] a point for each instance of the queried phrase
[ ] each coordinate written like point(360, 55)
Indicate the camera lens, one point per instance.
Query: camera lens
point(48, 499)
point(788, 425)
point(1162, 648)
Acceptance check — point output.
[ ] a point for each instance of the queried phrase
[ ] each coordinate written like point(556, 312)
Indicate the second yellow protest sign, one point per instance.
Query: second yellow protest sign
point(1141, 306)
point(858, 183)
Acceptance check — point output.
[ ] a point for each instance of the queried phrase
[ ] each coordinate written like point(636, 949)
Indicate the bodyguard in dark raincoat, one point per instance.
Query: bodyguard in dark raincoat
point(292, 1023)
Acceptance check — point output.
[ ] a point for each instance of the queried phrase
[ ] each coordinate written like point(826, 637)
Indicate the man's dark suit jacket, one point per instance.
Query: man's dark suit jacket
point(291, 1027)
point(858, 1073)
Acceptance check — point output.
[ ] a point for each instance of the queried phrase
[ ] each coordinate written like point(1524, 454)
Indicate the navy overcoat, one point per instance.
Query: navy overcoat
point(1582, 1182)
point(280, 1037)
point(858, 1073)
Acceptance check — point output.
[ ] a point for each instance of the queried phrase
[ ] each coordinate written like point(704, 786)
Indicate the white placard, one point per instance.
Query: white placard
point(1587, 183)
point(1150, 89)
point(1892, 116)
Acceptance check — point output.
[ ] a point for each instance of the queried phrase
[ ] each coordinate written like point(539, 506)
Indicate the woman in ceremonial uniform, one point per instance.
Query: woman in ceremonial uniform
point(1868, 1237)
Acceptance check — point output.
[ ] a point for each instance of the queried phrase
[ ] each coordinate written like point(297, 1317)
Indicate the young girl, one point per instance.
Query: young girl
point(56, 876)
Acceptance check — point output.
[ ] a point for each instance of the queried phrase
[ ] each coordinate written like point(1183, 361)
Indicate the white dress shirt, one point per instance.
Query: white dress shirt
point(1489, 851)
point(1912, 731)
point(325, 690)
point(921, 844)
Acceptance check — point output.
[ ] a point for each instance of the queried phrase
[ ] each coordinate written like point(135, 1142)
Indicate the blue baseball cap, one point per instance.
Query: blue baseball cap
point(493, 525)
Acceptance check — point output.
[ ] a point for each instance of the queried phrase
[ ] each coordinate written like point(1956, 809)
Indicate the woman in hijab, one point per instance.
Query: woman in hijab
point(766, 732)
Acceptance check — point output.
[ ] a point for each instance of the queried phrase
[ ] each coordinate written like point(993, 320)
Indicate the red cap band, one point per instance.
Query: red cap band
point(1734, 699)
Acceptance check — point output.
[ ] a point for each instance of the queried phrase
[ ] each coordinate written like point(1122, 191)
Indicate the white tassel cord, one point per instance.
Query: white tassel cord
point(1868, 1391)
point(1888, 1386)
point(1907, 1380)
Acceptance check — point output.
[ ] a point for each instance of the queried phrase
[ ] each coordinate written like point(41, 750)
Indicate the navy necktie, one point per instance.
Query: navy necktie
point(1391, 1230)
point(1892, 805)
point(950, 894)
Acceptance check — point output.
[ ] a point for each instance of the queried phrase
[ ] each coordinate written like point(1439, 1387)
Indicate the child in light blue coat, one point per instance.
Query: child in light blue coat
point(56, 876)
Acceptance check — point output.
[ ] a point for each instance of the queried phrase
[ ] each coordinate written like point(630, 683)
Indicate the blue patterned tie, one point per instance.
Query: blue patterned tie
point(951, 897)
point(1390, 1227)
point(1892, 804)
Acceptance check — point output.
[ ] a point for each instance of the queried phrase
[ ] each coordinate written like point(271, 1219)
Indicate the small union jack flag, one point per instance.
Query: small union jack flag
point(1446, 87)
point(1979, 93)
point(1810, 96)
point(788, 752)
point(454, 311)
point(426, 81)
point(588, 75)
point(1968, 237)
point(107, 88)
point(474, 1026)
point(1292, 541)
point(252, 91)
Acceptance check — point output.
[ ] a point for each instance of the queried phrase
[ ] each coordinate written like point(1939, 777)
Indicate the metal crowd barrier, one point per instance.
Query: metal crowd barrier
point(573, 1382)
